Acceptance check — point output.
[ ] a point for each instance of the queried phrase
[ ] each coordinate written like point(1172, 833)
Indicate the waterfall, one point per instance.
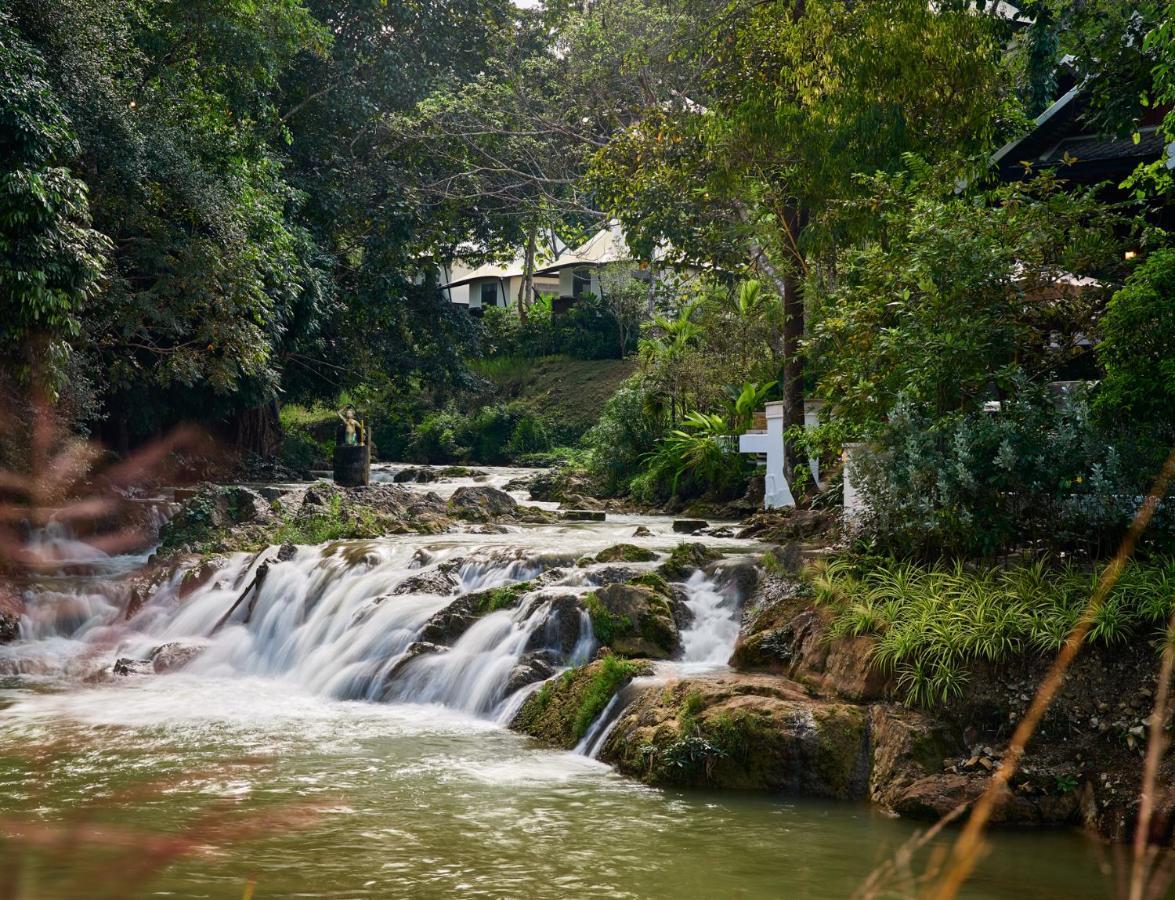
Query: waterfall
point(383, 621)
point(710, 639)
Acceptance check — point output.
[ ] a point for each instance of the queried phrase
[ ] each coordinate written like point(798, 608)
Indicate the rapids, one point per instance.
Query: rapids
point(323, 688)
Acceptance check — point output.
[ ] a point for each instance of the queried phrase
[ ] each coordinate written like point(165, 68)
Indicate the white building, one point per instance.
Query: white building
point(491, 284)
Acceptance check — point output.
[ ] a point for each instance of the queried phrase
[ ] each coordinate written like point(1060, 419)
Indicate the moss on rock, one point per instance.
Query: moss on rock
point(561, 711)
point(634, 620)
point(686, 558)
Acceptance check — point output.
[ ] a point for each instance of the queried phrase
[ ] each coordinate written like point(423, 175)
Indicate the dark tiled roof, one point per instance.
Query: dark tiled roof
point(1088, 148)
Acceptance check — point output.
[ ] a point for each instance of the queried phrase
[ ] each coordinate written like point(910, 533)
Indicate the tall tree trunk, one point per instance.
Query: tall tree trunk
point(789, 284)
point(526, 287)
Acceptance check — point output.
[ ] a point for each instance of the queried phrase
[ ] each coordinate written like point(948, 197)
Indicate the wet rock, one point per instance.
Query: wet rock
point(489, 528)
point(687, 558)
point(738, 576)
point(127, 666)
point(286, 552)
point(602, 575)
point(642, 531)
point(561, 630)
point(436, 581)
point(784, 526)
point(625, 553)
point(531, 667)
point(743, 732)
point(634, 620)
point(414, 651)
point(481, 503)
point(582, 515)
point(9, 627)
point(446, 626)
point(417, 474)
point(783, 633)
point(579, 501)
point(555, 485)
point(561, 711)
point(689, 526)
point(174, 655)
point(462, 472)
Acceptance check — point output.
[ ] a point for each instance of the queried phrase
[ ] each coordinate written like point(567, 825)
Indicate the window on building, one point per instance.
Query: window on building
point(489, 294)
point(581, 283)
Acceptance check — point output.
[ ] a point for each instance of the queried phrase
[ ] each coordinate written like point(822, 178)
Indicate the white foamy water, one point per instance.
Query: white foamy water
point(359, 620)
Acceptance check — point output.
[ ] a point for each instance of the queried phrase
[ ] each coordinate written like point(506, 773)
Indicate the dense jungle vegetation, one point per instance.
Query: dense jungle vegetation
point(234, 213)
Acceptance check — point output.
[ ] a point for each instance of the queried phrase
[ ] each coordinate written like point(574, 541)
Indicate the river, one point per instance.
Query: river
point(300, 752)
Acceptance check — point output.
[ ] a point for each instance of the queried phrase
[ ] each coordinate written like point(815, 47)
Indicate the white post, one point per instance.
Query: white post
point(777, 492)
point(854, 505)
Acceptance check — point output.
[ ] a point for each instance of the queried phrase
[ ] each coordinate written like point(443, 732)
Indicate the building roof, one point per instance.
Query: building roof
point(513, 269)
point(1061, 133)
point(606, 246)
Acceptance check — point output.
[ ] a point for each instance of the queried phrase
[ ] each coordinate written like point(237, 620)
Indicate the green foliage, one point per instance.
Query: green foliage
point(492, 435)
point(932, 622)
point(700, 458)
point(612, 674)
point(50, 257)
point(1035, 473)
point(958, 297)
point(624, 436)
point(1137, 336)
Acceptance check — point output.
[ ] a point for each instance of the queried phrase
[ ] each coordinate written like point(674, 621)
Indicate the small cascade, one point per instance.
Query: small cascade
point(706, 644)
point(710, 639)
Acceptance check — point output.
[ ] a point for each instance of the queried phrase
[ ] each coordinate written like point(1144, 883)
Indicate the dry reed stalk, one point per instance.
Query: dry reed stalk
point(1142, 871)
point(967, 848)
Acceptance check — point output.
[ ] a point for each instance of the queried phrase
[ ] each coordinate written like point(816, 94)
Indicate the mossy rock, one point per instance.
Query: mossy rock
point(743, 732)
point(634, 620)
point(687, 558)
point(561, 711)
point(625, 553)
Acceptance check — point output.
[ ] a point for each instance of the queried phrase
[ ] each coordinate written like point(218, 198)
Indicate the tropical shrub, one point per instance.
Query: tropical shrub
point(932, 622)
point(1035, 473)
point(1137, 336)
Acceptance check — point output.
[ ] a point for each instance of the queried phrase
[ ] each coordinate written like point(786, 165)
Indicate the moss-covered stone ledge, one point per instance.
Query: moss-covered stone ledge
point(560, 712)
point(744, 732)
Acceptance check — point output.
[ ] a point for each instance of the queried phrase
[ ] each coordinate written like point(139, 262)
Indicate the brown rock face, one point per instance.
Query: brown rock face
point(783, 633)
point(743, 731)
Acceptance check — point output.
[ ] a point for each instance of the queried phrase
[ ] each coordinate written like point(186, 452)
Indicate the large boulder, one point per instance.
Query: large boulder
point(743, 732)
point(447, 625)
point(482, 504)
point(628, 553)
point(634, 620)
point(782, 632)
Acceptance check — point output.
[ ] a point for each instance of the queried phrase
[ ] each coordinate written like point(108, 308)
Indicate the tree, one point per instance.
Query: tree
point(797, 97)
point(961, 297)
point(624, 296)
point(50, 257)
point(1137, 334)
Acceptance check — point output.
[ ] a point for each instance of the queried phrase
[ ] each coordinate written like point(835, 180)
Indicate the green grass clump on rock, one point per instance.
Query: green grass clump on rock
point(612, 674)
point(686, 558)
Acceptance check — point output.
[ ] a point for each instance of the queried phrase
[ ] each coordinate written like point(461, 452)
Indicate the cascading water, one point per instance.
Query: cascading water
point(356, 621)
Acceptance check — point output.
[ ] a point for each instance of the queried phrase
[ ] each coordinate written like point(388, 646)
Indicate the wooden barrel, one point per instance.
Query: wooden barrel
point(352, 464)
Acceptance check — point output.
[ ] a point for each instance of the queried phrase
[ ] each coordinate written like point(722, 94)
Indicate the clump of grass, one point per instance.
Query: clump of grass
point(612, 674)
point(606, 626)
point(501, 597)
point(932, 621)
